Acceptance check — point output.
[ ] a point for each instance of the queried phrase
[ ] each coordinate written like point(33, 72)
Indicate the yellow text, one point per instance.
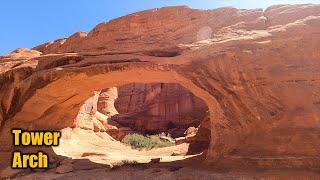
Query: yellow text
point(20, 160)
point(35, 138)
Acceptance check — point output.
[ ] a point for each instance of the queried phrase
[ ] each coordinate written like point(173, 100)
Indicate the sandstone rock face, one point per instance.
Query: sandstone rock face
point(144, 108)
point(106, 101)
point(257, 71)
point(96, 112)
point(158, 107)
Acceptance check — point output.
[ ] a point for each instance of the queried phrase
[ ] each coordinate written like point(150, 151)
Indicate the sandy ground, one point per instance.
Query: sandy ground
point(101, 148)
point(132, 173)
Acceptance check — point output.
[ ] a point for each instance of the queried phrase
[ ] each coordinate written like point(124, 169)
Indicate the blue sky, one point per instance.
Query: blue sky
point(32, 22)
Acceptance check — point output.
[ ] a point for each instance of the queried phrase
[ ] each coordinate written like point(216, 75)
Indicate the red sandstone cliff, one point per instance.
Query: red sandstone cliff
point(144, 108)
point(156, 108)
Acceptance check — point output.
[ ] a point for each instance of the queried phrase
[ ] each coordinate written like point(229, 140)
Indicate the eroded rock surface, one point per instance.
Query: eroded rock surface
point(257, 71)
point(143, 108)
point(155, 108)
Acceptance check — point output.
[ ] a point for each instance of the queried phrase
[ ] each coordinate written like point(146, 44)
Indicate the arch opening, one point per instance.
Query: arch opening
point(165, 113)
point(58, 110)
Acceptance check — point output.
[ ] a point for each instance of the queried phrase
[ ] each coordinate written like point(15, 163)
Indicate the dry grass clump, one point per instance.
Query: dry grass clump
point(139, 141)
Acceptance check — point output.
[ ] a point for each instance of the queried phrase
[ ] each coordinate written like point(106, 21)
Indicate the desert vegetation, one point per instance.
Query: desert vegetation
point(138, 141)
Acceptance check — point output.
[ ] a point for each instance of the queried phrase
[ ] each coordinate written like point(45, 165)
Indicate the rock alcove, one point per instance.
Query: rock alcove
point(165, 109)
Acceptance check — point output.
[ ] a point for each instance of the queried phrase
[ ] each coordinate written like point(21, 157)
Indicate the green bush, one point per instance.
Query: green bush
point(139, 141)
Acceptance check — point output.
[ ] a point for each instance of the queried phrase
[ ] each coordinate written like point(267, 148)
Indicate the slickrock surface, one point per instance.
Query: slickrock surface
point(256, 70)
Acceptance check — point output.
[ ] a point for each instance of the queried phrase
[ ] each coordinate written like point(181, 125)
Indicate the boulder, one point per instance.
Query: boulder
point(64, 168)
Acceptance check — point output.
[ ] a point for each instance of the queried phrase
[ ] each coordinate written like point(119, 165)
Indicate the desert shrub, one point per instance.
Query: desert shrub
point(139, 141)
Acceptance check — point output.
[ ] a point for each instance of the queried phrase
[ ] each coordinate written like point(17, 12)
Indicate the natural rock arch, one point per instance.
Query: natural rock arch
point(55, 106)
point(258, 75)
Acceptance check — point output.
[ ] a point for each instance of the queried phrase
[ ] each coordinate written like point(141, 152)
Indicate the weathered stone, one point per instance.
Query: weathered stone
point(10, 173)
point(158, 107)
point(64, 168)
point(106, 101)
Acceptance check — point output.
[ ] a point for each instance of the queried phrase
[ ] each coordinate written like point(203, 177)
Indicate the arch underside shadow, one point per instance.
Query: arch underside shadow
point(56, 105)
